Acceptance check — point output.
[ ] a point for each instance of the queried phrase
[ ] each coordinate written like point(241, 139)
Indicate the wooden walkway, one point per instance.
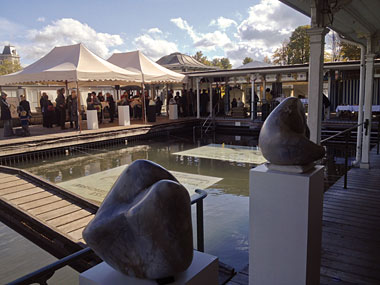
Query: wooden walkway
point(351, 230)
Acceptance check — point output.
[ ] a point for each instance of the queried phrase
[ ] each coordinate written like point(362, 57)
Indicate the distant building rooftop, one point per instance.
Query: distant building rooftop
point(182, 62)
point(255, 64)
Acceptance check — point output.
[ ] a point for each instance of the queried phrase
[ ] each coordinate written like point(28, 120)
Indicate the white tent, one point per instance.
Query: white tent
point(150, 71)
point(73, 64)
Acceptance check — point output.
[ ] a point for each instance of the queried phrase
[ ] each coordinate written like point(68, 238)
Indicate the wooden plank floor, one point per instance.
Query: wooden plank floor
point(351, 230)
point(60, 214)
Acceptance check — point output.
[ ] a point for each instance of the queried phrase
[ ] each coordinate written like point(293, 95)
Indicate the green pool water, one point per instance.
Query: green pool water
point(220, 166)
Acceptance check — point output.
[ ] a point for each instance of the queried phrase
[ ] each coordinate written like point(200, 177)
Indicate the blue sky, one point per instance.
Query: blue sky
point(233, 29)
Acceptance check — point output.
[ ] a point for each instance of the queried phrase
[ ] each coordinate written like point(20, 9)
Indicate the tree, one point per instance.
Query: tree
point(299, 46)
point(225, 63)
point(349, 52)
point(281, 55)
point(296, 50)
point(222, 63)
point(267, 60)
point(8, 66)
point(247, 60)
point(201, 58)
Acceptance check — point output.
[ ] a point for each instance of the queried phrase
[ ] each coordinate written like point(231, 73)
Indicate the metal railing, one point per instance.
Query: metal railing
point(42, 275)
point(347, 135)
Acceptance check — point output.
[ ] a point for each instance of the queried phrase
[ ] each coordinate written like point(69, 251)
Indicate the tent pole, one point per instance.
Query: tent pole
point(79, 109)
point(143, 103)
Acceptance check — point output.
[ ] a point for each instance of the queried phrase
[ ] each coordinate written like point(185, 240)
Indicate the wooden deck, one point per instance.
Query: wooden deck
point(351, 230)
point(49, 139)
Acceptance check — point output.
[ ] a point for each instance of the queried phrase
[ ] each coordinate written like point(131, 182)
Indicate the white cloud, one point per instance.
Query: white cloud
point(204, 41)
point(154, 31)
point(154, 47)
point(183, 25)
point(223, 23)
point(41, 19)
point(68, 31)
point(211, 41)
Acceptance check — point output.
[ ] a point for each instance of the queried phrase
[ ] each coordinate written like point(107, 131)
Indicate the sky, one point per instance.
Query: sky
point(224, 28)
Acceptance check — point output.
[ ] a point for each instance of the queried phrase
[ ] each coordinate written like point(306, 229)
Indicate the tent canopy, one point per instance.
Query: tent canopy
point(74, 63)
point(150, 71)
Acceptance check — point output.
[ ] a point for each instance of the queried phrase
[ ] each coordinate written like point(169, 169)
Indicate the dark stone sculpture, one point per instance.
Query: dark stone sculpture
point(284, 136)
point(143, 227)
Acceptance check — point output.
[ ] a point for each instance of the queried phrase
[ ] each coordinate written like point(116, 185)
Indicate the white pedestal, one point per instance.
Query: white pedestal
point(202, 271)
point(285, 226)
point(124, 118)
point(173, 112)
point(92, 119)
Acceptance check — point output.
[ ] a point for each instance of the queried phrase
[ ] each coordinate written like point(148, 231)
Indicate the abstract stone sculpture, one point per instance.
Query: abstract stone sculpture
point(143, 227)
point(284, 136)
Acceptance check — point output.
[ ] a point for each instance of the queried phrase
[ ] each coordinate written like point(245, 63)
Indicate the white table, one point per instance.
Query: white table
point(92, 119)
point(124, 117)
point(173, 112)
point(355, 108)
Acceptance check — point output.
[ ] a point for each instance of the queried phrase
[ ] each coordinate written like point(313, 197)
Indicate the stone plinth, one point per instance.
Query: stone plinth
point(285, 226)
point(203, 270)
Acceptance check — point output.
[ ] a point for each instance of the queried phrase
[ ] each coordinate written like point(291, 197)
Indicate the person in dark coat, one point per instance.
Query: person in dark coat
point(25, 105)
point(6, 115)
point(50, 113)
point(73, 111)
point(111, 108)
point(43, 105)
point(69, 102)
point(61, 108)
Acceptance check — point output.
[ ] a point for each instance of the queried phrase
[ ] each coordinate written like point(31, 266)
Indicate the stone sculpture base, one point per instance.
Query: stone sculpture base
point(203, 270)
point(285, 226)
point(290, 168)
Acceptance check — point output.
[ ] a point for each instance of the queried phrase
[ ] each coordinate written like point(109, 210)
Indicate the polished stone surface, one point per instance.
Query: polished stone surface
point(284, 136)
point(143, 227)
point(231, 153)
point(96, 186)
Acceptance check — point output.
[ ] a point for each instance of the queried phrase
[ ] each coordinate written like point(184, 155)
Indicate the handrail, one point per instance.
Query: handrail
point(42, 275)
point(347, 130)
point(347, 133)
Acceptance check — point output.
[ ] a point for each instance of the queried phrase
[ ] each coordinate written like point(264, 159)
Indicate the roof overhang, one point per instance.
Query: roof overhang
point(354, 20)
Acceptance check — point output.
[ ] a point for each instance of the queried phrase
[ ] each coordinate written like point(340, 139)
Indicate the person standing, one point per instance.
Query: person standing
point(111, 106)
point(69, 102)
point(73, 111)
point(44, 111)
point(60, 106)
point(6, 115)
point(25, 105)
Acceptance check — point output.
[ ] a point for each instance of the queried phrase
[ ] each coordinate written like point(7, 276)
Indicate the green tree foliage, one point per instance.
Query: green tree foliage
point(247, 60)
point(296, 50)
point(9, 67)
point(349, 52)
point(222, 63)
point(225, 62)
point(201, 58)
point(281, 55)
point(299, 46)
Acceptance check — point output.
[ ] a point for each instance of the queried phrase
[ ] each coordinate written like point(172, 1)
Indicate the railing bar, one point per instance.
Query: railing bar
point(51, 267)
